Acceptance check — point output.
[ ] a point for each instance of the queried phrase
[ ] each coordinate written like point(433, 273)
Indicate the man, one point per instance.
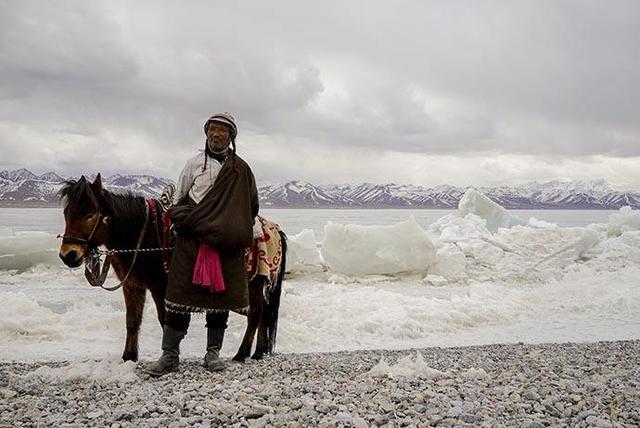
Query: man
point(216, 202)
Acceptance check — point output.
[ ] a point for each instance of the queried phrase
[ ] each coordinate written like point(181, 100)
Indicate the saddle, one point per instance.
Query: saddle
point(161, 223)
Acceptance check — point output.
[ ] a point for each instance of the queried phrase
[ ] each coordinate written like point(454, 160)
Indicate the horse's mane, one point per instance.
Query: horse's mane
point(76, 193)
point(126, 211)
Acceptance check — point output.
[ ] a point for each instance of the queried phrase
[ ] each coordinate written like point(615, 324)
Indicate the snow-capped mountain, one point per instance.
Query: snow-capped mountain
point(18, 174)
point(145, 185)
point(596, 194)
point(22, 187)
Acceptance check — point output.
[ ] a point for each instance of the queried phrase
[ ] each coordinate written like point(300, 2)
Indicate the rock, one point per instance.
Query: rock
point(358, 422)
point(597, 422)
point(260, 422)
point(226, 409)
point(531, 395)
point(454, 412)
point(257, 411)
point(381, 419)
point(386, 406)
point(8, 393)
point(95, 414)
point(468, 418)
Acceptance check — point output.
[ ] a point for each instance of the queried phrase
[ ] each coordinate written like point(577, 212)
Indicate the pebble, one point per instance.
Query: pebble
point(531, 395)
point(530, 385)
point(257, 411)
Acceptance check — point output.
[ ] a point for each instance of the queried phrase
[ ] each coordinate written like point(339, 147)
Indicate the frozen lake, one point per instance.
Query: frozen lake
point(575, 281)
point(293, 221)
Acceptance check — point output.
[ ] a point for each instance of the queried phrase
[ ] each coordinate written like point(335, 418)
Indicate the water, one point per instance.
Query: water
point(12, 220)
point(551, 285)
point(293, 221)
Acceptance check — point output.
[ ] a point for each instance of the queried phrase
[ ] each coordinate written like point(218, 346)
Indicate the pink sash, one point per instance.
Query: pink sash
point(208, 270)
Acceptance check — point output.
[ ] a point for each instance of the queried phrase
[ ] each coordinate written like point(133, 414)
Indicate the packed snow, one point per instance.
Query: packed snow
point(107, 371)
point(478, 275)
point(417, 367)
point(406, 367)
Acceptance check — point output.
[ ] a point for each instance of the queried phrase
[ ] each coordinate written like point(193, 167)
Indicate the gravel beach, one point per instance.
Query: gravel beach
point(594, 384)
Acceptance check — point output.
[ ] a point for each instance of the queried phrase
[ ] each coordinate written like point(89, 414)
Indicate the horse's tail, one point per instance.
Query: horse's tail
point(273, 305)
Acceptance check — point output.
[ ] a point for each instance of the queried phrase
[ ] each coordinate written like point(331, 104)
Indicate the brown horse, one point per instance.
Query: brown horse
point(97, 217)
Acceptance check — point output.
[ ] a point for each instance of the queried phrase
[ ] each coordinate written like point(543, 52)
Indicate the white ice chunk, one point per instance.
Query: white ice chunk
point(454, 228)
point(482, 251)
point(302, 252)
point(26, 249)
point(450, 263)
point(362, 250)
point(625, 220)
point(541, 224)
point(576, 249)
point(474, 202)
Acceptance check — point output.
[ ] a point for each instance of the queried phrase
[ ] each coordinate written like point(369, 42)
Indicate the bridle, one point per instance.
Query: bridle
point(95, 274)
point(69, 239)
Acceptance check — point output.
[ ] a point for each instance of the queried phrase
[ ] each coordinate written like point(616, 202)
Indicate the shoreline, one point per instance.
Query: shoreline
point(558, 384)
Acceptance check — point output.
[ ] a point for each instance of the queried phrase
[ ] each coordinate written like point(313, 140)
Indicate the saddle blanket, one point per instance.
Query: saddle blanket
point(264, 256)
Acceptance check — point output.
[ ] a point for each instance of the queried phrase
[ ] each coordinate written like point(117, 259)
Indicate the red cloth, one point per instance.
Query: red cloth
point(208, 270)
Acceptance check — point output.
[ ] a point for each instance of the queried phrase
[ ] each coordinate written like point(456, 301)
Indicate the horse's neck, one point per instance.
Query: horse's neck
point(125, 223)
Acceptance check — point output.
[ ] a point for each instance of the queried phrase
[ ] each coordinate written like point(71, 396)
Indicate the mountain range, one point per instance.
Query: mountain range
point(23, 188)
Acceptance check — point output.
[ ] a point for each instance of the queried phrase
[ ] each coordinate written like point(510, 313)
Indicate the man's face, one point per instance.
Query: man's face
point(217, 136)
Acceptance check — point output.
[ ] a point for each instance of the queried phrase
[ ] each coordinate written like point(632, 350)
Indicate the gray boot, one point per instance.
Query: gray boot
point(170, 359)
point(212, 359)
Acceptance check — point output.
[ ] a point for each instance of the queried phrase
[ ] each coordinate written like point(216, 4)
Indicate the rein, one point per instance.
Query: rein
point(96, 276)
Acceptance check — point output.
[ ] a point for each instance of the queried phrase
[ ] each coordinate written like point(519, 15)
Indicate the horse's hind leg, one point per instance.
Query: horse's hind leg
point(253, 319)
point(262, 342)
point(134, 301)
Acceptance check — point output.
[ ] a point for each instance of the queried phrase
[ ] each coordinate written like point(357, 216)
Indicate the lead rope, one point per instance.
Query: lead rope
point(96, 276)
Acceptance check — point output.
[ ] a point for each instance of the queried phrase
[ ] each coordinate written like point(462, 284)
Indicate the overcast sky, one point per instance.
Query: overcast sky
point(421, 92)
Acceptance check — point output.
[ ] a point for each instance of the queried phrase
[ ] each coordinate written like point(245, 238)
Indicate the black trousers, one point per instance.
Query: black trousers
point(180, 321)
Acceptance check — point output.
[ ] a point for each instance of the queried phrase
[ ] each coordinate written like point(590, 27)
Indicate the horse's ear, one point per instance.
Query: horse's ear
point(97, 185)
point(82, 179)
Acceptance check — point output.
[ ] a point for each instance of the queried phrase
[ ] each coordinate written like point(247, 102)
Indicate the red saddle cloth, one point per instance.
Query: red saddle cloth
point(208, 270)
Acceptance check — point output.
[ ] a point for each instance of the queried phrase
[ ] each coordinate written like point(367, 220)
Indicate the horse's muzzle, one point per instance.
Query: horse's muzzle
point(71, 259)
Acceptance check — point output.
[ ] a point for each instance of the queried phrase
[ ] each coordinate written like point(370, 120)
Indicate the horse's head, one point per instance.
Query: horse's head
point(83, 218)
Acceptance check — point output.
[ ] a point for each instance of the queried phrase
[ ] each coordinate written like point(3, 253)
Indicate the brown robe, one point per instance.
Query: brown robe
point(223, 220)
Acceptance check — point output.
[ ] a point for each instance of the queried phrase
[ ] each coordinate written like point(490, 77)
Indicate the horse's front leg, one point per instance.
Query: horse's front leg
point(253, 319)
point(134, 302)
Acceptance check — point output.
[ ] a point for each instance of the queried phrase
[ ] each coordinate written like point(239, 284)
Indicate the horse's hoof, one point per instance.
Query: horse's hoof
point(130, 356)
point(257, 356)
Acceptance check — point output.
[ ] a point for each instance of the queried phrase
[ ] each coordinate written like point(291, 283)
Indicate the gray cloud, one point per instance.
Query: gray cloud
point(126, 85)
